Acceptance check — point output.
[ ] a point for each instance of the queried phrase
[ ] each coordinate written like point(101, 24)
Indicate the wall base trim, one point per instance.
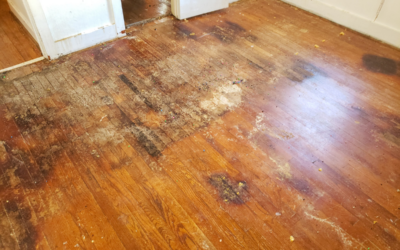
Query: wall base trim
point(22, 64)
point(351, 20)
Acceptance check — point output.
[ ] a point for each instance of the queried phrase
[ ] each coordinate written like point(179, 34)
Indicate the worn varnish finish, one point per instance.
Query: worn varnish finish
point(206, 134)
point(137, 11)
point(16, 44)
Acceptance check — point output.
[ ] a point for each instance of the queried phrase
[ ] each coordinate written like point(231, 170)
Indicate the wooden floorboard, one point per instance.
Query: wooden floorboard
point(137, 11)
point(226, 131)
point(16, 44)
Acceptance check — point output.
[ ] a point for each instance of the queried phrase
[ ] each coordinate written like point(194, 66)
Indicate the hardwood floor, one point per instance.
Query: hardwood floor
point(228, 131)
point(16, 44)
point(137, 11)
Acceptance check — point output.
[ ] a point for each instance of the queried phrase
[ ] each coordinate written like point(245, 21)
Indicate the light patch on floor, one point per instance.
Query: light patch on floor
point(224, 97)
point(283, 168)
point(273, 132)
point(3, 152)
point(346, 239)
point(105, 135)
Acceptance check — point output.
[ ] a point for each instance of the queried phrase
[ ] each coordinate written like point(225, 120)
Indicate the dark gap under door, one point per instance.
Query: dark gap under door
point(137, 11)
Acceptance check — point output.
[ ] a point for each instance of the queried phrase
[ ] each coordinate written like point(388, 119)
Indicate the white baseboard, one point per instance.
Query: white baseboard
point(351, 20)
point(22, 64)
point(25, 22)
point(183, 9)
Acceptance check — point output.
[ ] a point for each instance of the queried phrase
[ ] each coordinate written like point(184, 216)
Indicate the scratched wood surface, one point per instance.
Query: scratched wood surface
point(16, 44)
point(226, 131)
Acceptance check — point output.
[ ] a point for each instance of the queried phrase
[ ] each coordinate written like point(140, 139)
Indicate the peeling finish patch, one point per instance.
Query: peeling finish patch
point(392, 138)
point(390, 134)
point(283, 169)
point(3, 152)
point(106, 135)
point(107, 100)
point(229, 190)
point(343, 235)
point(273, 132)
point(224, 97)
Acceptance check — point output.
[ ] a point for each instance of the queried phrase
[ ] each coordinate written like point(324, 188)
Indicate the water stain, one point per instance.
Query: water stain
point(181, 27)
point(28, 122)
point(300, 185)
point(302, 70)
point(136, 91)
point(23, 229)
point(229, 190)
point(226, 31)
point(145, 136)
point(380, 64)
point(229, 31)
point(235, 27)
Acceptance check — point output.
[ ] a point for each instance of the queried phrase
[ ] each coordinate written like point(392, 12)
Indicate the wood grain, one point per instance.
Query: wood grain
point(226, 131)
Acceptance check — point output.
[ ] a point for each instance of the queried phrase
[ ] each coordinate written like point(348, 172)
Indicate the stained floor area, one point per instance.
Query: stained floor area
point(16, 44)
point(225, 131)
point(137, 11)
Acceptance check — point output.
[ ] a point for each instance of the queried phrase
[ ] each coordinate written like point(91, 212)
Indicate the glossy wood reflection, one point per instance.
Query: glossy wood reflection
point(136, 11)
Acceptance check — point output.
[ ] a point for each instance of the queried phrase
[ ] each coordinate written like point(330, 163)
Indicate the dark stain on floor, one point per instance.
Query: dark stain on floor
point(301, 185)
point(28, 122)
point(302, 70)
point(379, 64)
point(229, 31)
point(136, 91)
point(183, 28)
point(22, 227)
point(229, 190)
point(15, 177)
point(226, 31)
point(145, 137)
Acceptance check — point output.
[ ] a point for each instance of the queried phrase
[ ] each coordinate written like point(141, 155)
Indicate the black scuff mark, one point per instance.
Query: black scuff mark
point(128, 83)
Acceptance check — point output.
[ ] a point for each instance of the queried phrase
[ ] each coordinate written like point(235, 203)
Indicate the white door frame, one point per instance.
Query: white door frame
point(183, 9)
point(52, 49)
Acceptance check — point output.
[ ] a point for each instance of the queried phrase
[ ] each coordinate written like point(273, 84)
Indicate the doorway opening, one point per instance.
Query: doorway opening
point(141, 11)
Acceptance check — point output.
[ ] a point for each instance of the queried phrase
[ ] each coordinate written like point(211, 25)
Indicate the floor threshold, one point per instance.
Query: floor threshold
point(22, 64)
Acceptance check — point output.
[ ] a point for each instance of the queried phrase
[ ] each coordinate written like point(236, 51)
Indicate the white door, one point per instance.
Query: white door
point(182, 9)
point(66, 26)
